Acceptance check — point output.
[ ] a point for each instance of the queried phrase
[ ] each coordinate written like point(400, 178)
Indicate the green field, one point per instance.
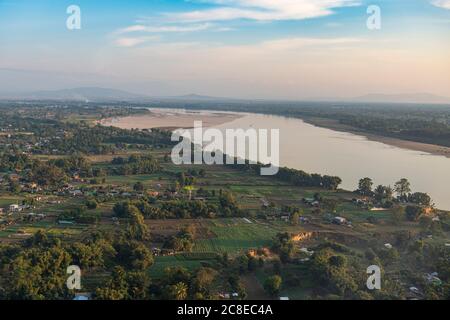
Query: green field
point(7, 200)
point(297, 281)
point(146, 179)
point(234, 236)
point(189, 262)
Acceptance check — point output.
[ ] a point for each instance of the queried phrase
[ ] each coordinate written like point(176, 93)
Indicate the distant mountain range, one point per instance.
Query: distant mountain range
point(197, 97)
point(85, 94)
point(97, 94)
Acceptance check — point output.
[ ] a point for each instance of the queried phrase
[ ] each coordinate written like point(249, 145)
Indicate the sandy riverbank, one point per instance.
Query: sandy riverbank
point(404, 144)
point(171, 119)
point(411, 145)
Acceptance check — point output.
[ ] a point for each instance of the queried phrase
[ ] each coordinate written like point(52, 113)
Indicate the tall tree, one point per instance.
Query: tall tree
point(365, 186)
point(294, 218)
point(137, 229)
point(273, 285)
point(380, 192)
point(402, 187)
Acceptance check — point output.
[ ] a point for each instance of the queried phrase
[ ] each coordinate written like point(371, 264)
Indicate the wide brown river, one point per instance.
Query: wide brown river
point(351, 157)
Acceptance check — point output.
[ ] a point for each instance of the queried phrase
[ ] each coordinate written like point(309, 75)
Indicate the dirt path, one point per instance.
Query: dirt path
point(254, 289)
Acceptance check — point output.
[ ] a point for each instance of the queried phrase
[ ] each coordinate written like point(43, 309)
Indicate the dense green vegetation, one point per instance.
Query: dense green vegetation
point(140, 227)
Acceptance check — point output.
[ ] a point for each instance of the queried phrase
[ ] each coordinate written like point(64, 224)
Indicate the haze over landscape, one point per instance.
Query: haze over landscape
point(97, 94)
point(232, 150)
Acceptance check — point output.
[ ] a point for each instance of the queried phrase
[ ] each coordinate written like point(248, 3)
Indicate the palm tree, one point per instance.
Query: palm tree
point(388, 193)
point(379, 192)
point(179, 291)
point(189, 189)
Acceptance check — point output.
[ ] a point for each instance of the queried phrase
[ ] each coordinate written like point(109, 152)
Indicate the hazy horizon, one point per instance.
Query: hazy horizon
point(99, 94)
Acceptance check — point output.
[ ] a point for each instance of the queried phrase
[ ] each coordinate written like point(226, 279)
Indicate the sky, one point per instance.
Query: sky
point(268, 49)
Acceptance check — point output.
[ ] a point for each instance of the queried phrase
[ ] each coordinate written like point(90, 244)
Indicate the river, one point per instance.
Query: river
point(351, 157)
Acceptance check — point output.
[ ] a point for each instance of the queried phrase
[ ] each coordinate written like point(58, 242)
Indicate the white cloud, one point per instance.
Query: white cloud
point(163, 29)
point(140, 28)
point(226, 10)
point(131, 42)
point(264, 10)
point(441, 4)
point(297, 43)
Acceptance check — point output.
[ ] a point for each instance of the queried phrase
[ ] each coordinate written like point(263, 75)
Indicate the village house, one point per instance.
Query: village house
point(82, 296)
point(167, 252)
point(301, 236)
point(32, 185)
point(224, 295)
point(303, 220)
point(363, 203)
point(14, 177)
point(432, 278)
point(14, 208)
point(76, 193)
point(306, 251)
point(65, 222)
point(76, 176)
point(156, 251)
point(311, 201)
point(339, 220)
point(153, 193)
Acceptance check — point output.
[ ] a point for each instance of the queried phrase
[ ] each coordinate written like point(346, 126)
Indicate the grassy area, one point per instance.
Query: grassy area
point(191, 263)
point(234, 236)
point(10, 199)
point(146, 179)
point(50, 227)
point(297, 281)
